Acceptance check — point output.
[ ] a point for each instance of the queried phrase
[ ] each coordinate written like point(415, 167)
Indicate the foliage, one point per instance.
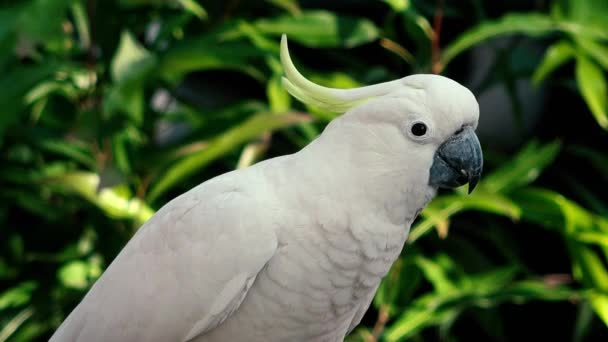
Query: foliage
point(108, 110)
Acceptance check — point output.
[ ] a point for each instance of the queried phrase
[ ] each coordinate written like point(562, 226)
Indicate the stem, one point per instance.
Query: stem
point(380, 324)
point(436, 65)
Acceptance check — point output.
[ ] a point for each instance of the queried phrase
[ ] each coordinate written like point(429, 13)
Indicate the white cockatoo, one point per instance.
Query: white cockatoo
point(292, 248)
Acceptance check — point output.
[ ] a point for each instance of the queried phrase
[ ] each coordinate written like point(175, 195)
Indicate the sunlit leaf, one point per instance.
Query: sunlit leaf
point(592, 84)
point(114, 204)
point(398, 5)
point(79, 274)
point(193, 7)
point(599, 302)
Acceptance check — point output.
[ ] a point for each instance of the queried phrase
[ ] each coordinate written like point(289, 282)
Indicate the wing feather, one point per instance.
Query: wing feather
point(181, 275)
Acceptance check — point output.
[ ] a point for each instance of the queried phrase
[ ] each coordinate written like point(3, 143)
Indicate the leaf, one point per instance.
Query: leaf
point(131, 61)
point(556, 55)
point(126, 98)
point(41, 21)
point(130, 66)
point(18, 295)
point(220, 145)
point(599, 302)
point(74, 151)
point(398, 5)
point(434, 308)
point(438, 212)
point(435, 273)
point(110, 200)
point(531, 24)
point(193, 7)
point(278, 98)
point(417, 317)
point(588, 13)
point(594, 273)
point(523, 169)
point(209, 52)
point(290, 6)
point(598, 51)
point(15, 84)
point(584, 322)
point(592, 85)
point(81, 21)
point(320, 29)
point(79, 274)
point(552, 210)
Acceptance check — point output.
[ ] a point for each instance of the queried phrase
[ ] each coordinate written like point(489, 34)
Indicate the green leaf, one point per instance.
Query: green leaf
point(41, 21)
point(438, 212)
point(592, 85)
point(320, 29)
point(81, 21)
point(126, 98)
point(132, 62)
point(15, 84)
point(72, 150)
point(111, 200)
point(436, 274)
point(220, 145)
point(278, 98)
point(588, 13)
point(130, 66)
point(398, 5)
point(531, 24)
point(209, 52)
point(597, 51)
point(599, 302)
point(556, 55)
point(552, 210)
point(79, 274)
point(193, 7)
point(523, 169)
point(594, 274)
point(17, 296)
point(435, 308)
point(290, 6)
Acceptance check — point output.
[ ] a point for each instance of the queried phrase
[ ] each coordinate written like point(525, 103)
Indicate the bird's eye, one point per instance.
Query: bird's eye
point(419, 129)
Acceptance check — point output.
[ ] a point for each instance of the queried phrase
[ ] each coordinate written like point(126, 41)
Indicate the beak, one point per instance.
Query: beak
point(458, 161)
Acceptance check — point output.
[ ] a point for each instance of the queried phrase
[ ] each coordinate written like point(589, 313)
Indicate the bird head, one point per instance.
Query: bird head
point(430, 117)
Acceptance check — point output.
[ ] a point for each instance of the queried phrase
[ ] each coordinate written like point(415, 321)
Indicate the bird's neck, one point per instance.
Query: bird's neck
point(365, 176)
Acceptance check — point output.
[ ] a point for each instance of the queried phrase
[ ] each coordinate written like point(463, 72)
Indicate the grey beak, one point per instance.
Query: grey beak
point(458, 161)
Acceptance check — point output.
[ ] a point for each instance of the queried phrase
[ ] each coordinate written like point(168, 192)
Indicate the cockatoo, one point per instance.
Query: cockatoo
point(292, 248)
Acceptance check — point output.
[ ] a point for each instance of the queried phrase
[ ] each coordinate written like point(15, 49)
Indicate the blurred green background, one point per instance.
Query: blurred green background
point(109, 109)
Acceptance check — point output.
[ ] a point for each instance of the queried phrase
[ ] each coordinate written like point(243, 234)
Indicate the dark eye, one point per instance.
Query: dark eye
point(419, 129)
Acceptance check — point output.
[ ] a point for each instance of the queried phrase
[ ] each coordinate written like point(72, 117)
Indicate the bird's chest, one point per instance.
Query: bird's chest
point(318, 282)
